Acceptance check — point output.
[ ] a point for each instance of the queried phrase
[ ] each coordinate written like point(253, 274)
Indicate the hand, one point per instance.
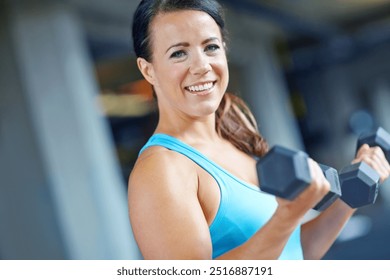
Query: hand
point(375, 158)
point(309, 198)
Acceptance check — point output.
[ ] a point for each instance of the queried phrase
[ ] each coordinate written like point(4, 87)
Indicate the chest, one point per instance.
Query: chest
point(234, 209)
point(238, 165)
point(236, 162)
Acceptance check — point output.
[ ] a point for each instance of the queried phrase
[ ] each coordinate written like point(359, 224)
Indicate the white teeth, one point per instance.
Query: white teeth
point(201, 87)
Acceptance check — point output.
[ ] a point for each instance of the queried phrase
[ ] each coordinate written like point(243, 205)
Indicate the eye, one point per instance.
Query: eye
point(212, 48)
point(178, 54)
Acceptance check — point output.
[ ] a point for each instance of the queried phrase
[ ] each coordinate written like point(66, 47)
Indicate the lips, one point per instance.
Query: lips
point(200, 88)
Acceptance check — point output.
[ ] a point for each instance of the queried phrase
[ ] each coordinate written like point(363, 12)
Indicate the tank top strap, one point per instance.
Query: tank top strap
point(243, 208)
point(176, 145)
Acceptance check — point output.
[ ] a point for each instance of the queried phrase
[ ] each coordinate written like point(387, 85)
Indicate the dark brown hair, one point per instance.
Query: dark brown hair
point(234, 120)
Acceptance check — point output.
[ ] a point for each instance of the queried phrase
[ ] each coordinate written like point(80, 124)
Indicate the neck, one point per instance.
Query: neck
point(190, 130)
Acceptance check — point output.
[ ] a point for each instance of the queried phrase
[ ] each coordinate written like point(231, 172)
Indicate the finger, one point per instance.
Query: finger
point(374, 157)
point(314, 172)
point(362, 150)
point(373, 152)
point(387, 166)
point(377, 166)
point(384, 166)
point(361, 153)
point(321, 183)
point(380, 157)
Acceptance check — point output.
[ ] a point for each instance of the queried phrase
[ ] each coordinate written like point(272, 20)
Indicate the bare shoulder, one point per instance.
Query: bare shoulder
point(165, 213)
point(158, 166)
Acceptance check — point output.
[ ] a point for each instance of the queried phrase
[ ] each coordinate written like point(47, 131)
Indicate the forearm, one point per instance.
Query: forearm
point(318, 235)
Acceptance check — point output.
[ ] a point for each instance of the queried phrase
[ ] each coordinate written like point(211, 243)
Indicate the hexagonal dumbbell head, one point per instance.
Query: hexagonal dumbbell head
point(359, 184)
point(283, 172)
point(380, 138)
point(335, 190)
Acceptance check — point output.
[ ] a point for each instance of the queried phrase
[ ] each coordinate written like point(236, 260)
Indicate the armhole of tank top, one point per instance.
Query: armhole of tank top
point(175, 145)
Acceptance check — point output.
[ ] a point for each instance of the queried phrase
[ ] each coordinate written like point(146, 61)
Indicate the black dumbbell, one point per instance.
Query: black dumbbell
point(379, 137)
point(359, 182)
point(285, 173)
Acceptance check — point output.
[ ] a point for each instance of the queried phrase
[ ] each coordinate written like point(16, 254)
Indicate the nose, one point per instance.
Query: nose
point(200, 64)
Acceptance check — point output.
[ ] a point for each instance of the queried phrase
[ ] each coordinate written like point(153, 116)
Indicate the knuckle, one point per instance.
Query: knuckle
point(327, 186)
point(316, 182)
point(377, 150)
point(367, 159)
point(365, 147)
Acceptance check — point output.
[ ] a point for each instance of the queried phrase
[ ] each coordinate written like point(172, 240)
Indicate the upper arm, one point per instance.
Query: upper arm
point(165, 213)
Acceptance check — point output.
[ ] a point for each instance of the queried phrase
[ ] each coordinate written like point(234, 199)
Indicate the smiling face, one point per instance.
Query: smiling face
point(188, 69)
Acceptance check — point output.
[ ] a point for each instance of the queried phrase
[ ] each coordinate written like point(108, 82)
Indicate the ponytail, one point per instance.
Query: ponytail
point(235, 123)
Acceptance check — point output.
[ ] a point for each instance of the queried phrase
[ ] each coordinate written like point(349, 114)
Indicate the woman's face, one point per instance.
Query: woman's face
point(189, 69)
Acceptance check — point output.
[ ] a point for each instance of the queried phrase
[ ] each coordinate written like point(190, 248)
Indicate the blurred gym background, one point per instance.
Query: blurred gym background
point(74, 111)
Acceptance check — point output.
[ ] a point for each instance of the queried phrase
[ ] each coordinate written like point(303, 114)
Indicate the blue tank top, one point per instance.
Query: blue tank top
point(243, 208)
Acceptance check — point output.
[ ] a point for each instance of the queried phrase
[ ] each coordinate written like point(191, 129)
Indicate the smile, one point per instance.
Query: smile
point(200, 88)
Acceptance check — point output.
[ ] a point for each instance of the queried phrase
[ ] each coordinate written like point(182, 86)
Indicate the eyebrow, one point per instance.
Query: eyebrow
point(183, 44)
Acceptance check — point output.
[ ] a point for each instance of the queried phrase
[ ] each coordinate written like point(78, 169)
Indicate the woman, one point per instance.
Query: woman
point(193, 192)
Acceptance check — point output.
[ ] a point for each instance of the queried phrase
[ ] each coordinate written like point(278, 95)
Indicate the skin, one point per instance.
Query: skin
point(172, 201)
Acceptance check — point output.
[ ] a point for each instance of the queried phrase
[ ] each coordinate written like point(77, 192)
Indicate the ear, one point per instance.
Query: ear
point(146, 69)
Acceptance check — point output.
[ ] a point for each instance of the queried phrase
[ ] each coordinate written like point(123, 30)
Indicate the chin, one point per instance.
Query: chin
point(207, 110)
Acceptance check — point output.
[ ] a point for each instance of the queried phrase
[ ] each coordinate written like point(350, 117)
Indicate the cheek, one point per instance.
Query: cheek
point(172, 76)
point(226, 71)
point(223, 71)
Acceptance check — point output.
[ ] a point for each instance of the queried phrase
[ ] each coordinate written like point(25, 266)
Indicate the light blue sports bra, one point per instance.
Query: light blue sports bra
point(243, 208)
